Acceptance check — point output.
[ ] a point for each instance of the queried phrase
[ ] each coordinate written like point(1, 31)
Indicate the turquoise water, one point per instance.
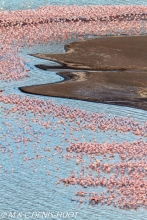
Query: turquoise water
point(26, 189)
point(23, 4)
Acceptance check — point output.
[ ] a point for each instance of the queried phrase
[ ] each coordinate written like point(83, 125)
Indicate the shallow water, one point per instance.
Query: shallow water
point(28, 188)
point(25, 185)
point(23, 4)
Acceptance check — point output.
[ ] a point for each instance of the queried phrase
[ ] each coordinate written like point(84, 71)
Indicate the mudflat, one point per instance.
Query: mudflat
point(119, 76)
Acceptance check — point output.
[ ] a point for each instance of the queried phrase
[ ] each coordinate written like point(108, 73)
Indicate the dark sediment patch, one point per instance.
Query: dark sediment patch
point(119, 17)
point(126, 86)
point(107, 53)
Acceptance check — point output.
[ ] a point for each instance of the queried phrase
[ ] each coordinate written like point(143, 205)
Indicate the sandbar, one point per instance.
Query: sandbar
point(110, 70)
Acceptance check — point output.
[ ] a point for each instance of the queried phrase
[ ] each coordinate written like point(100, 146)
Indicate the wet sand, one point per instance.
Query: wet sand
point(120, 75)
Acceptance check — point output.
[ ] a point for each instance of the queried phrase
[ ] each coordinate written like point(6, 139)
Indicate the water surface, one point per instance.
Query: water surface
point(23, 4)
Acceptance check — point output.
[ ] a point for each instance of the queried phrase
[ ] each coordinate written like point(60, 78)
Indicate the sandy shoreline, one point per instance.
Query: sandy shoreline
point(126, 86)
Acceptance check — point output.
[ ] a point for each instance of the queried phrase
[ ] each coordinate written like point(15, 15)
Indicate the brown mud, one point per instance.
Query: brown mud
point(119, 76)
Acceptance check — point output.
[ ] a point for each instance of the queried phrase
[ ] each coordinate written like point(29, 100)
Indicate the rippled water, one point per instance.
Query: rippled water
point(29, 189)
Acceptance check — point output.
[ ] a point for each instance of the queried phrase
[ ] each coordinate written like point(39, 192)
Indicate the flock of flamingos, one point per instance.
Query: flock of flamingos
point(117, 169)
